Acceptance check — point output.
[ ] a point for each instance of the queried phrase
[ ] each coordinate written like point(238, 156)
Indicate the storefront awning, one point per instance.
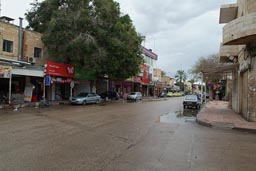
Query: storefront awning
point(14, 62)
point(27, 72)
point(221, 68)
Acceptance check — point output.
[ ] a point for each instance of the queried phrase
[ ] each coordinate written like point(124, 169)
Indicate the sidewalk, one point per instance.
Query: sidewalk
point(217, 114)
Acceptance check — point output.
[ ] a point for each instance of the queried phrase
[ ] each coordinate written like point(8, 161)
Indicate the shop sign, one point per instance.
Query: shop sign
point(145, 80)
point(5, 71)
point(47, 80)
point(60, 80)
point(58, 69)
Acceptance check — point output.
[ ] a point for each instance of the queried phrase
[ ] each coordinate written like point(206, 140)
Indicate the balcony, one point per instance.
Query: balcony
point(228, 13)
point(228, 53)
point(240, 31)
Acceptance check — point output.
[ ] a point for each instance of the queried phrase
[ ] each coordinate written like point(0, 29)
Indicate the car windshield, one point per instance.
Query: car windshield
point(133, 93)
point(191, 97)
point(82, 94)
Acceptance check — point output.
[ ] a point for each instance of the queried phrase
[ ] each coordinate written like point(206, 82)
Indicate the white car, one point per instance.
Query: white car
point(135, 96)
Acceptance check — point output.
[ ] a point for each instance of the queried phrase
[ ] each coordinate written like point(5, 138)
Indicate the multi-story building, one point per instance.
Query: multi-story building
point(157, 77)
point(24, 65)
point(148, 82)
point(19, 51)
point(144, 81)
point(239, 48)
point(167, 83)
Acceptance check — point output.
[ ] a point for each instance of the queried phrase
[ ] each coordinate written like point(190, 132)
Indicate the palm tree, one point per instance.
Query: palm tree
point(180, 78)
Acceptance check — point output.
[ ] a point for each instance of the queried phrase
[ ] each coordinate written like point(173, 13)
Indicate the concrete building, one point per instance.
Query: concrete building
point(238, 47)
point(157, 80)
point(148, 83)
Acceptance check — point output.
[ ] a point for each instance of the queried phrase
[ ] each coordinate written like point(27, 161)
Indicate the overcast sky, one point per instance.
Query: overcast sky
point(179, 32)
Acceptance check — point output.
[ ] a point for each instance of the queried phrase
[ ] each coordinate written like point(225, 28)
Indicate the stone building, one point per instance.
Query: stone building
point(239, 48)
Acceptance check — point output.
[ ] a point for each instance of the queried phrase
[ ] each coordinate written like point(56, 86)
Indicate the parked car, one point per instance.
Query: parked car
point(113, 95)
point(177, 94)
point(191, 100)
point(162, 94)
point(135, 96)
point(85, 98)
point(170, 94)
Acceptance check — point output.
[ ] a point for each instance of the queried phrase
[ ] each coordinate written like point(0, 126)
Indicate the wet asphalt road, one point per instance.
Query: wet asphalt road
point(119, 136)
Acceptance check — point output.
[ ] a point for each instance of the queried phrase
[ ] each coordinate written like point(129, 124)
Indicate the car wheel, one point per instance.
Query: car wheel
point(184, 107)
point(84, 102)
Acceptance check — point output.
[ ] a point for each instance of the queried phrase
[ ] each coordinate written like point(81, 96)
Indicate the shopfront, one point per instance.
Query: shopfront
point(21, 84)
point(59, 81)
point(5, 77)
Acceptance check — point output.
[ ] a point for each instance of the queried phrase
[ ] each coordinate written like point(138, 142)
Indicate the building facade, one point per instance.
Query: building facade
point(25, 66)
point(239, 48)
point(19, 50)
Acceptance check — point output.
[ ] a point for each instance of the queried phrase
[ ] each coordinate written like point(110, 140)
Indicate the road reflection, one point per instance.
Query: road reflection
point(179, 117)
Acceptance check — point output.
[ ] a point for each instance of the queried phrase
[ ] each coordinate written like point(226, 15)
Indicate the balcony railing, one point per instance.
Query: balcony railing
point(240, 31)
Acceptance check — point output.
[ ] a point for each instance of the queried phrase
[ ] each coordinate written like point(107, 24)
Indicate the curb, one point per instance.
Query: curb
point(208, 124)
point(245, 130)
point(203, 123)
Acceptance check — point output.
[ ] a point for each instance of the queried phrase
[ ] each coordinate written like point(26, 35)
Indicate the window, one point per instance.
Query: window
point(37, 52)
point(8, 46)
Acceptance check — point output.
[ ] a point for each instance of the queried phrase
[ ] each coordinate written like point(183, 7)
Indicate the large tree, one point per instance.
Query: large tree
point(206, 64)
point(91, 34)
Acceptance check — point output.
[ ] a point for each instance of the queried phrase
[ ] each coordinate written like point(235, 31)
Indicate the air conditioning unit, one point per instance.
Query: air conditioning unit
point(31, 59)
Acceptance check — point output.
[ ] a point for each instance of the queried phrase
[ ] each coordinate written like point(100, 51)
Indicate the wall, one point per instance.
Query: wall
point(31, 40)
point(9, 32)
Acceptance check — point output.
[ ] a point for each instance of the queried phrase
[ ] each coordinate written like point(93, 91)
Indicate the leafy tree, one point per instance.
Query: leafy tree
point(180, 78)
point(91, 34)
point(163, 73)
point(206, 64)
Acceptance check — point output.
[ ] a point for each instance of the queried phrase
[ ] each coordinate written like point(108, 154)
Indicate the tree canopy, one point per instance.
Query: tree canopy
point(180, 78)
point(206, 63)
point(91, 34)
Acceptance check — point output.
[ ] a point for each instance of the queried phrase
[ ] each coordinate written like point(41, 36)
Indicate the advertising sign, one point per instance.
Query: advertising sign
point(58, 69)
point(5, 71)
point(28, 93)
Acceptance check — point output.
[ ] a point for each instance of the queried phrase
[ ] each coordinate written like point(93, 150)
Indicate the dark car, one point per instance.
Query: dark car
point(113, 95)
point(191, 100)
point(162, 94)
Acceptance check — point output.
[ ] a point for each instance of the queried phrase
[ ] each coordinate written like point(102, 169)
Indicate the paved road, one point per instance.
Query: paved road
point(119, 136)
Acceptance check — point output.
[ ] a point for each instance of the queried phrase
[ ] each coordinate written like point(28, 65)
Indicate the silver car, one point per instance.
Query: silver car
point(85, 98)
point(135, 96)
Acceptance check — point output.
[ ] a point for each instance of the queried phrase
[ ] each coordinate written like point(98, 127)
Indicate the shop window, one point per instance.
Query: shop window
point(7, 46)
point(37, 52)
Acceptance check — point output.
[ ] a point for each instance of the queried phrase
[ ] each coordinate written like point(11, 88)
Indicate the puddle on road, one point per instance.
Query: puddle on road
point(179, 117)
